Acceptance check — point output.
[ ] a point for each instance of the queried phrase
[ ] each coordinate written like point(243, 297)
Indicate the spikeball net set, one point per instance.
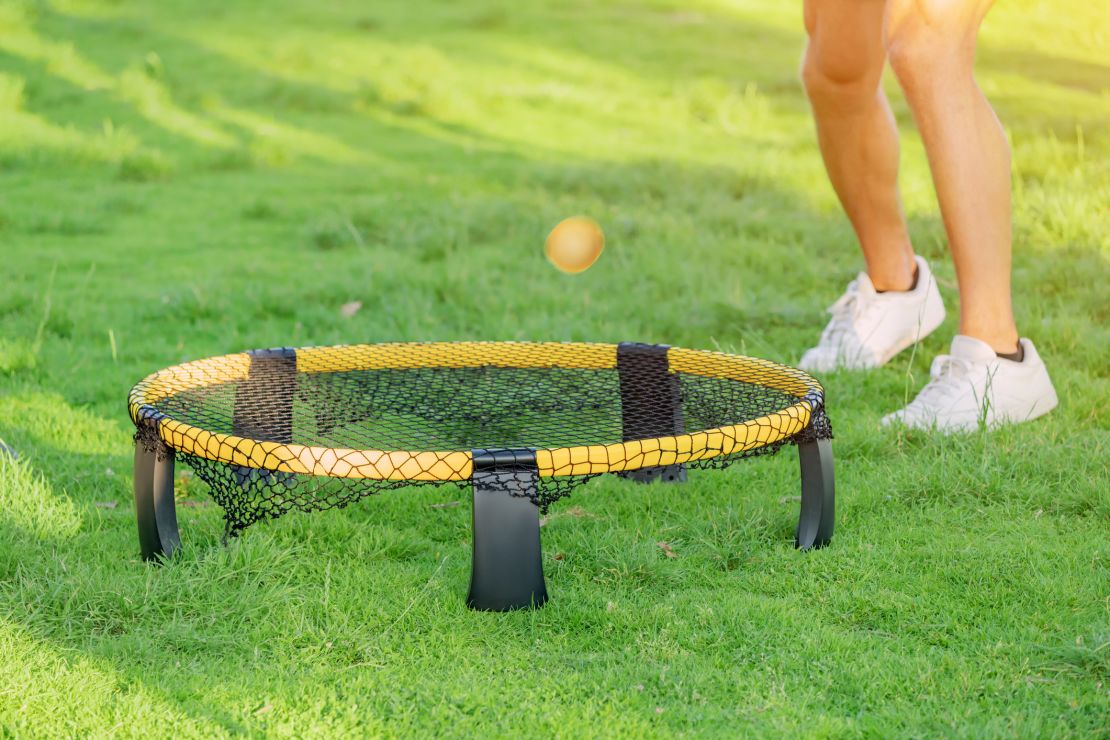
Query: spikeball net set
point(272, 431)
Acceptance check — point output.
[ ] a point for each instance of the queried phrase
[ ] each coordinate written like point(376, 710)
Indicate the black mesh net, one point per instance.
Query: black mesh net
point(449, 412)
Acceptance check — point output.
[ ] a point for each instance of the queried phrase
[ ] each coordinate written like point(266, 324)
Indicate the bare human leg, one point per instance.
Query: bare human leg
point(931, 46)
point(842, 72)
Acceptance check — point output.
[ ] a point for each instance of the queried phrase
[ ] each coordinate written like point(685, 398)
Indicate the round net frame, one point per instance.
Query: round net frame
point(272, 431)
point(275, 430)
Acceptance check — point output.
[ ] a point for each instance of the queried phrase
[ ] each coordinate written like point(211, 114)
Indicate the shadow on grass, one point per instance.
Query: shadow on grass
point(403, 131)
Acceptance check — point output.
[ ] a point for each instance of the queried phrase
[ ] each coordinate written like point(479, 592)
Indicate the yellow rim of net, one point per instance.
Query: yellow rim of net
point(457, 465)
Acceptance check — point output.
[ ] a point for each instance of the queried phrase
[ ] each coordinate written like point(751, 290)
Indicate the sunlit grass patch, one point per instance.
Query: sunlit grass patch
point(17, 355)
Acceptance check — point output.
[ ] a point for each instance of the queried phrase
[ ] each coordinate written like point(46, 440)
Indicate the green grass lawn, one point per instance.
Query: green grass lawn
point(182, 179)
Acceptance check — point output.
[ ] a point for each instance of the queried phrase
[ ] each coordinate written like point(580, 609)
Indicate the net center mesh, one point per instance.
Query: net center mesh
point(445, 409)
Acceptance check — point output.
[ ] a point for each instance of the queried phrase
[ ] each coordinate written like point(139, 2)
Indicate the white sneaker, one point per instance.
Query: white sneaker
point(868, 328)
point(973, 386)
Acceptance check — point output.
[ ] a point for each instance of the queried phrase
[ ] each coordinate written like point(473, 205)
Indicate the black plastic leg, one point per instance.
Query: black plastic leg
point(663, 473)
point(155, 509)
point(507, 567)
point(651, 404)
point(818, 515)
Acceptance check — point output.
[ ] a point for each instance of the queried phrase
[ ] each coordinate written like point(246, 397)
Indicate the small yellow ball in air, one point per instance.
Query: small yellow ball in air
point(575, 244)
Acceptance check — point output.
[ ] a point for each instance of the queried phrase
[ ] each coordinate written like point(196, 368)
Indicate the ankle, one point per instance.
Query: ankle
point(1006, 344)
point(899, 284)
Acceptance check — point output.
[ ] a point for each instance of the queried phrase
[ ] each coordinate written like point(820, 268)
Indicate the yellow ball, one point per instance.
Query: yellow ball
point(575, 244)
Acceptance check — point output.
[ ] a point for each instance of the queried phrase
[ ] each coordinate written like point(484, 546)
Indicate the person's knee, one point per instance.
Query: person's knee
point(839, 75)
point(844, 58)
point(928, 41)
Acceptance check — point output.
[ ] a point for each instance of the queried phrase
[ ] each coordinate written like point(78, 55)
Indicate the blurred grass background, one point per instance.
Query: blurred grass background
point(185, 179)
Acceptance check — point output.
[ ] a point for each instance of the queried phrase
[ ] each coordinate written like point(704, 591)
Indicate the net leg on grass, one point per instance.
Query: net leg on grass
point(155, 510)
point(818, 514)
point(651, 404)
point(507, 566)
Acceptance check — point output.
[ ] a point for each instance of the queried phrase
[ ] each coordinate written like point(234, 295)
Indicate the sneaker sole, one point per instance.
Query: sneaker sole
point(970, 427)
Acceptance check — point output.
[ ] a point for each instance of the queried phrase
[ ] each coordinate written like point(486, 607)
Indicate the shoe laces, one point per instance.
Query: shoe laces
point(847, 309)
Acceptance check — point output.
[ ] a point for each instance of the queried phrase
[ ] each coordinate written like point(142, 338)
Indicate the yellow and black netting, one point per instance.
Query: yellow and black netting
point(317, 428)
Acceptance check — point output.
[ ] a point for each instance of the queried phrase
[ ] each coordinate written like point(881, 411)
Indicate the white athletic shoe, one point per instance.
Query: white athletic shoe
point(868, 328)
point(973, 386)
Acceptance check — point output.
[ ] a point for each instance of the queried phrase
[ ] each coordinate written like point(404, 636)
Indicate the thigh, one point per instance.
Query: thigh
point(958, 20)
point(845, 37)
